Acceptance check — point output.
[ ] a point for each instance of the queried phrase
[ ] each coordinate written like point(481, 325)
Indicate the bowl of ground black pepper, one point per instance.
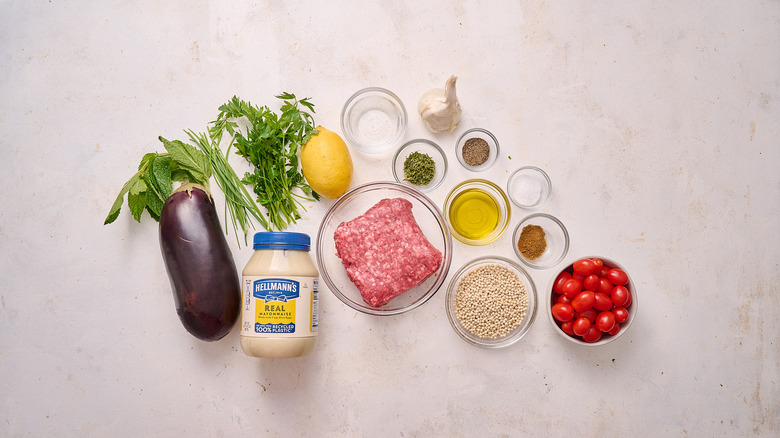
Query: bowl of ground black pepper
point(491, 302)
point(477, 149)
point(540, 241)
point(421, 164)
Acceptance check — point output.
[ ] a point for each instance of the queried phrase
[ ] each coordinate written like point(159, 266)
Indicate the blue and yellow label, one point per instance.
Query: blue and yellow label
point(276, 289)
point(274, 306)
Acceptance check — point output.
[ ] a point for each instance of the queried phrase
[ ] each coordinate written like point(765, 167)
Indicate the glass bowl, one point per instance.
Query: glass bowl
point(492, 144)
point(529, 187)
point(477, 212)
point(556, 238)
point(426, 147)
point(605, 338)
point(353, 204)
point(519, 331)
point(373, 120)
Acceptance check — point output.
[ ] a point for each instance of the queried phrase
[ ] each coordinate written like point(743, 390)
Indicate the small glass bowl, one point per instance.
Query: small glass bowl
point(426, 147)
point(484, 134)
point(529, 187)
point(605, 338)
point(555, 235)
point(355, 203)
point(519, 331)
point(455, 205)
point(374, 120)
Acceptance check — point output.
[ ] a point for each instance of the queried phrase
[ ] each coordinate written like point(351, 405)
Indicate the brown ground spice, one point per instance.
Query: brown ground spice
point(531, 242)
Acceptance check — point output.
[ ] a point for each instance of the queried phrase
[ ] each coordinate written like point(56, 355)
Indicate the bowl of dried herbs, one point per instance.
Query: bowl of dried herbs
point(420, 163)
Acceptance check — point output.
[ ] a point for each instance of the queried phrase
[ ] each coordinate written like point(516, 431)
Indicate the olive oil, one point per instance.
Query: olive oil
point(474, 214)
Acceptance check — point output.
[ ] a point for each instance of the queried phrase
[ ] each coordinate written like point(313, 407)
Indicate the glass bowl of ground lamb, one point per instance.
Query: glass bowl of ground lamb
point(477, 149)
point(384, 248)
point(491, 302)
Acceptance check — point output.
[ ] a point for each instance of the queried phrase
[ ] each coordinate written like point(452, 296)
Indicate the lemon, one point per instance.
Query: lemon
point(326, 164)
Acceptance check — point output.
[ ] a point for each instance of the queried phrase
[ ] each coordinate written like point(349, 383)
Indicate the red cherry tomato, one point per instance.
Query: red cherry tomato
point(599, 264)
point(602, 301)
point(621, 314)
point(583, 301)
point(563, 299)
point(630, 300)
point(619, 296)
point(562, 312)
point(591, 282)
point(605, 286)
point(584, 267)
point(562, 277)
point(571, 287)
point(605, 321)
point(618, 277)
point(592, 335)
point(604, 271)
point(614, 330)
point(589, 314)
point(568, 328)
point(581, 326)
point(577, 276)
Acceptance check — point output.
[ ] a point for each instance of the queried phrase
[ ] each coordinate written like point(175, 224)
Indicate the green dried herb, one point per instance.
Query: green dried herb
point(419, 168)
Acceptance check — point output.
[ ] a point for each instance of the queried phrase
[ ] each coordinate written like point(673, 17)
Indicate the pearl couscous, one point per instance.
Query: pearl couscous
point(491, 301)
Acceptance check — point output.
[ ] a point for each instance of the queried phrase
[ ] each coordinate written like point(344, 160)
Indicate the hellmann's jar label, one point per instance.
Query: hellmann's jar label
point(279, 306)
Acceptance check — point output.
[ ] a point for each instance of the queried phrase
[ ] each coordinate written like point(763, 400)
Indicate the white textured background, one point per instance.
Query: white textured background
point(657, 121)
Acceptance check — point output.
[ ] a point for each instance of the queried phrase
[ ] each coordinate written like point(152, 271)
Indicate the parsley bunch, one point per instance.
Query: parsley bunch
point(270, 143)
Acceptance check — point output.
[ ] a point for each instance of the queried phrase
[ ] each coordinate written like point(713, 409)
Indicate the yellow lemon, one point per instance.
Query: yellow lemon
point(326, 164)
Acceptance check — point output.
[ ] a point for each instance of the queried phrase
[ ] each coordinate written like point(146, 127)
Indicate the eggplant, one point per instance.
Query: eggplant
point(203, 275)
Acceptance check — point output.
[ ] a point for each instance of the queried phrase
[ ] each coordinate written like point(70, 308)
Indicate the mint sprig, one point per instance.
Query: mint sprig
point(151, 185)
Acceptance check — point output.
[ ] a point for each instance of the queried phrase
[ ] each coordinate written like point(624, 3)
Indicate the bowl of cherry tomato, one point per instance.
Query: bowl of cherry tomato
point(592, 301)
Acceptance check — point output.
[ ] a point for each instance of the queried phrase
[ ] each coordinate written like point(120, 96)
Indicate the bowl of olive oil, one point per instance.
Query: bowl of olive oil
point(477, 212)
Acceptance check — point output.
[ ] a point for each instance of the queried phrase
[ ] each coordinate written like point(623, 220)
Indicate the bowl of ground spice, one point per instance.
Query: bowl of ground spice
point(491, 302)
point(541, 241)
point(477, 149)
point(421, 164)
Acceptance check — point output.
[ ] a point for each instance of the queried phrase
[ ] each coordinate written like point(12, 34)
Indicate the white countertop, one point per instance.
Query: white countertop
point(658, 124)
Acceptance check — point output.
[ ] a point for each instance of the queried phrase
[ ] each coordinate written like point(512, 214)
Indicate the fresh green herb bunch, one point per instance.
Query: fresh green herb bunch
point(151, 185)
point(419, 168)
point(270, 143)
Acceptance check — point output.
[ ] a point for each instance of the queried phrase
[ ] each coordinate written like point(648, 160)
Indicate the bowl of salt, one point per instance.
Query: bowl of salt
point(529, 187)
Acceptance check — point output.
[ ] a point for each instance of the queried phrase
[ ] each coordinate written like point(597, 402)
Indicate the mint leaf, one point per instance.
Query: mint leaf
point(180, 175)
point(136, 199)
point(147, 158)
point(117, 206)
point(161, 177)
point(154, 203)
point(190, 159)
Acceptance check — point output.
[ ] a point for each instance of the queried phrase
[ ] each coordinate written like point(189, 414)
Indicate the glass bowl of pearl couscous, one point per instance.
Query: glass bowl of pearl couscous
point(491, 302)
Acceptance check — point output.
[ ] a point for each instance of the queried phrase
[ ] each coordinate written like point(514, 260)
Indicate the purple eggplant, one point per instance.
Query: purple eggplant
point(203, 275)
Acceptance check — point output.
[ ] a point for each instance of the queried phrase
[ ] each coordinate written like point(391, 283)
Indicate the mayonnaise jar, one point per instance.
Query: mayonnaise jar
point(279, 309)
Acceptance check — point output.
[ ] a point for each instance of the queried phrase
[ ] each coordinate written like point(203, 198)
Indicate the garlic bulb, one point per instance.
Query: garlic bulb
point(439, 108)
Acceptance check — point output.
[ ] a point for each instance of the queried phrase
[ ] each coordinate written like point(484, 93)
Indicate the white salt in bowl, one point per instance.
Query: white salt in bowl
point(373, 120)
point(529, 187)
point(353, 204)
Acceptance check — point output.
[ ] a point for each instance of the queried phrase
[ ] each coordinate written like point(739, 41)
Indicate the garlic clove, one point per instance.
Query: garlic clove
point(439, 108)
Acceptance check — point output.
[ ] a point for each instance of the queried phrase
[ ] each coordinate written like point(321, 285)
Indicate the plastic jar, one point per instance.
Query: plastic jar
point(279, 311)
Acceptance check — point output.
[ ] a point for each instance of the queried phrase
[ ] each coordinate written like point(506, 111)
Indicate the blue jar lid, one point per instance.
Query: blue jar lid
point(282, 240)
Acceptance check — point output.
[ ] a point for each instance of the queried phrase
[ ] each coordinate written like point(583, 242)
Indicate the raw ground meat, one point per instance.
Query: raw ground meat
point(384, 251)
